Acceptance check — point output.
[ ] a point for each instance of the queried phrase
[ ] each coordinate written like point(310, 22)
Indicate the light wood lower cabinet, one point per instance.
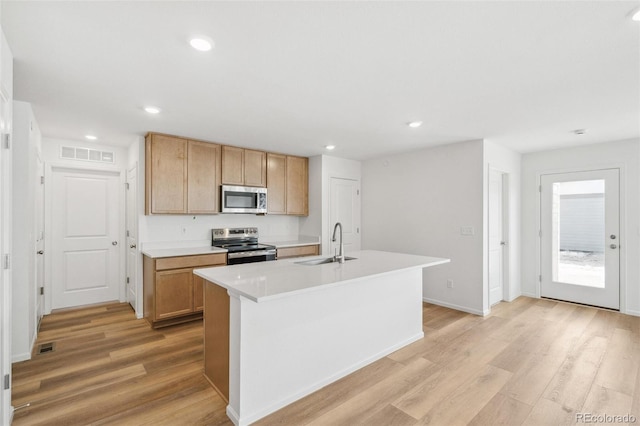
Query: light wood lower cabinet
point(172, 293)
point(299, 251)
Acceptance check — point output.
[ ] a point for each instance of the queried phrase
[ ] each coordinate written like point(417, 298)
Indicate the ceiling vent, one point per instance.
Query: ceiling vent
point(86, 154)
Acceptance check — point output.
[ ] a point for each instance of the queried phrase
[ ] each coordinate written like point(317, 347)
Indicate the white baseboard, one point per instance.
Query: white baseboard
point(25, 356)
point(633, 312)
point(532, 295)
point(456, 307)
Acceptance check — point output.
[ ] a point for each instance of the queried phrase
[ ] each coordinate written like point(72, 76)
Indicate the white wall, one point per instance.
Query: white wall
point(509, 162)
point(416, 203)
point(27, 145)
point(622, 154)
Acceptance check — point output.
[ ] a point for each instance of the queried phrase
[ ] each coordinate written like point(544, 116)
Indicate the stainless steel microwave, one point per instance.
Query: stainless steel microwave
point(243, 199)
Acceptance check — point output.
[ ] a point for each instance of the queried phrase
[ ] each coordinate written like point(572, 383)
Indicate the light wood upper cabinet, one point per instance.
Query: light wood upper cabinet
point(182, 176)
point(204, 177)
point(297, 186)
point(244, 167)
point(276, 183)
point(255, 168)
point(287, 184)
point(166, 174)
point(232, 165)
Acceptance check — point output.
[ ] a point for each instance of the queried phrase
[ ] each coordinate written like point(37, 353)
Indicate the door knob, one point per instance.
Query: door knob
point(40, 251)
point(114, 243)
point(503, 243)
point(613, 246)
point(132, 246)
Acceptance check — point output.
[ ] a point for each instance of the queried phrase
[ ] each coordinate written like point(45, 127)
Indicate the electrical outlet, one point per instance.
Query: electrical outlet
point(449, 283)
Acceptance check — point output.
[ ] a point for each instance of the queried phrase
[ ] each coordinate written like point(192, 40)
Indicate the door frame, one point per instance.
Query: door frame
point(136, 280)
point(330, 226)
point(48, 236)
point(506, 219)
point(623, 222)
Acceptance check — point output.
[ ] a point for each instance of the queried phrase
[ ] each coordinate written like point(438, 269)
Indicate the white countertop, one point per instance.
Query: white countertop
point(283, 242)
point(263, 281)
point(181, 251)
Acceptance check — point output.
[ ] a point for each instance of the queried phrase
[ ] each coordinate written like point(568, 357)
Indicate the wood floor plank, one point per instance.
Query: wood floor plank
point(501, 411)
point(467, 400)
point(607, 401)
point(547, 412)
point(621, 362)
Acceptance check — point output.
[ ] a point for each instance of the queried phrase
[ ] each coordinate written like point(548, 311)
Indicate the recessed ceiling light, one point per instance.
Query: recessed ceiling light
point(580, 131)
point(202, 44)
point(414, 124)
point(152, 110)
point(636, 15)
point(91, 137)
point(330, 147)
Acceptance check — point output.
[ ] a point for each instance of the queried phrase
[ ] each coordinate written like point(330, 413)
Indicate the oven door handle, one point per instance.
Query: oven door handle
point(254, 253)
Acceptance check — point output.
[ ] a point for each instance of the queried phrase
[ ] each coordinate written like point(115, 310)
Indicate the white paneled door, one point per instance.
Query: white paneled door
point(85, 222)
point(132, 237)
point(497, 235)
point(345, 208)
point(580, 237)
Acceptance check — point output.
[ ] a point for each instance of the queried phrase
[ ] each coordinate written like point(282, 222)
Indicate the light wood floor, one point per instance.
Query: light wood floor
point(531, 362)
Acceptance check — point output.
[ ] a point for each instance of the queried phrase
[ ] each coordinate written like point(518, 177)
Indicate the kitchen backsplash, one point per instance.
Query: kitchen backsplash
point(198, 228)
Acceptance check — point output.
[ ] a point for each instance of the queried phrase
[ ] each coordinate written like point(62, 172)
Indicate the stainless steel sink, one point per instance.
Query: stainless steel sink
point(322, 261)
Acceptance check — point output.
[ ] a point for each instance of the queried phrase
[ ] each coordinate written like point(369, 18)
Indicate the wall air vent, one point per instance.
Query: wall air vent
point(86, 154)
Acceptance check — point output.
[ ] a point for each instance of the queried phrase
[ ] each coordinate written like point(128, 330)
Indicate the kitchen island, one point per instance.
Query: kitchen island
point(277, 331)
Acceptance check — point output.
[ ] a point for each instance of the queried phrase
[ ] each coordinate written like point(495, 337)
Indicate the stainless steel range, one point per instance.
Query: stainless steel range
point(242, 245)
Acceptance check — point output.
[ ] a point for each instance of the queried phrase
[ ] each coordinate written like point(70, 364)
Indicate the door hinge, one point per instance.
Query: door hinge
point(357, 192)
point(6, 140)
point(7, 381)
point(357, 230)
point(540, 233)
point(126, 185)
point(540, 278)
point(41, 180)
point(6, 261)
point(539, 188)
point(127, 280)
point(41, 291)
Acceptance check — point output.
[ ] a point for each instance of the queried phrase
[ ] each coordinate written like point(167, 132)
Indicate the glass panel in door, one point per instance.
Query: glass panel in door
point(580, 237)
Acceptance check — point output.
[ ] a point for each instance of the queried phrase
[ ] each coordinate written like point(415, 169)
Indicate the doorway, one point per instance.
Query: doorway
point(85, 222)
point(580, 237)
point(40, 254)
point(497, 232)
point(345, 208)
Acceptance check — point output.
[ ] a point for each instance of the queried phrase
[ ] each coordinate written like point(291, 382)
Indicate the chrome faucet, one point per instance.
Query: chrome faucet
point(340, 256)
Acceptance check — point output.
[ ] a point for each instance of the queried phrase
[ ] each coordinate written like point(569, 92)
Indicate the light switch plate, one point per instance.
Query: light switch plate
point(467, 231)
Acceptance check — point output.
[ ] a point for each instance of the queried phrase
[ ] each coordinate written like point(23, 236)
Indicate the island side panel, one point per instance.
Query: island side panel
point(286, 348)
point(216, 338)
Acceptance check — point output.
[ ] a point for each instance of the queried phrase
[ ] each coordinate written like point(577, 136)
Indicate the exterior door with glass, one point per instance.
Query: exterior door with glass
point(580, 237)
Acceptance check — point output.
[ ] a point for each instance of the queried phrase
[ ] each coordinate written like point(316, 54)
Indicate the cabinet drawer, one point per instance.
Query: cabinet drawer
point(286, 252)
point(191, 261)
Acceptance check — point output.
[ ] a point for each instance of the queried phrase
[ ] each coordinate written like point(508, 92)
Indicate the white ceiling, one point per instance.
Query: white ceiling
point(296, 76)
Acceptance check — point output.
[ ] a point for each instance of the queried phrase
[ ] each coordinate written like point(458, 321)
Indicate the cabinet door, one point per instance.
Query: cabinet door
point(198, 294)
point(232, 165)
point(297, 186)
point(166, 174)
point(276, 183)
point(204, 177)
point(255, 168)
point(174, 293)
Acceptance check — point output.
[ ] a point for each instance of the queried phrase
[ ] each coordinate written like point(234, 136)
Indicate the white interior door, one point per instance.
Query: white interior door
point(580, 237)
point(39, 215)
point(345, 208)
point(132, 236)
point(85, 252)
point(497, 235)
